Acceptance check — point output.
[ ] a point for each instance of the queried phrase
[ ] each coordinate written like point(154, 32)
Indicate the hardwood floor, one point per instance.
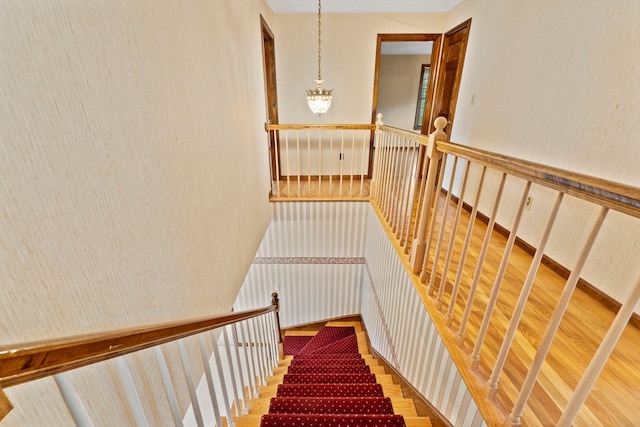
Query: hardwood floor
point(336, 189)
point(615, 399)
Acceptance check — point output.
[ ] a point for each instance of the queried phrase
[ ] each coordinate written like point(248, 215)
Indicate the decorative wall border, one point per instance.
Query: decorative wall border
point(310, 260)
point(385, 326)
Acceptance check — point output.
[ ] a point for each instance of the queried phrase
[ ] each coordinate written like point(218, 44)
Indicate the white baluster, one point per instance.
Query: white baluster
point(602, 355)
point(265, 350)
point(209, 376)
point(276, 155)
point(483, 253)
point(223, 381)
point(493, 298)
point(298, 172)
point(554, 323)
point(308, 162)
point(256, 343)
point(411, 194)
point(330, 163)
point(130, 392)
point(353, 159)
point(364, 166)
point(186, 369)
point(320, 162)
point(341, 160)
point(443, 227)
point(286, 142)
point(465, 247)
point(72, 400)
point(232, 372)
point(245, 398)
point(251, 364)
point(492, 383)
point(402, 189)
point(432, 223)
point(452, 239)
point(168, 387)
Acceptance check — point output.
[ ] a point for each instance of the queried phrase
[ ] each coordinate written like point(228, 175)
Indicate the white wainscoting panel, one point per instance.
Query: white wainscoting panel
point(313, 256)
point(401, 331)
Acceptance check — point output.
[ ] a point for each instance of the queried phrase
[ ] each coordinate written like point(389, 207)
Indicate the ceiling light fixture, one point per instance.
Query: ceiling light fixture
point(319, 99)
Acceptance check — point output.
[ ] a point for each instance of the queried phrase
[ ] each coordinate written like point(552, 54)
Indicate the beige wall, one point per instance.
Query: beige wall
point(348, 60)
point(399, 81)
point(133, 173)
point(557, 83)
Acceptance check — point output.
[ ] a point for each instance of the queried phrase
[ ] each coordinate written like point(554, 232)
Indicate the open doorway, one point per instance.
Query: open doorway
point(417, 77)
point(403, 79)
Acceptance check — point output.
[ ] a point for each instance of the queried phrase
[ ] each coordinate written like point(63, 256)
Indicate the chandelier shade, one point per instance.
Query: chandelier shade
point(319, 99)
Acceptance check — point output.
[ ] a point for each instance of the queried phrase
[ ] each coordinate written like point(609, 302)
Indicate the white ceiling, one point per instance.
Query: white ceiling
point(406, 48)
point(362, 6)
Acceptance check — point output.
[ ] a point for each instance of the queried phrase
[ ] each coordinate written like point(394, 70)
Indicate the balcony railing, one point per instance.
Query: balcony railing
point(243, 343)
point(311, 162)
point(407, 191)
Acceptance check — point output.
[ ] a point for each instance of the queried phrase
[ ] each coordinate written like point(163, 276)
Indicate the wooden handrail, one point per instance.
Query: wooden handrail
point(348, 126)
point(418, 137)
point(20, 363)
point(620, 197)
point(613, 195)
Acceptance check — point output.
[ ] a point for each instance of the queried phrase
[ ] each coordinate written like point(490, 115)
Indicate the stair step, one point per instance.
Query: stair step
point(321, 420)
point(331, 405)
point(330, 369)
point(389, 390)
point(254, 421)
point(319, 400)
point(328, 378)
point(328, 362)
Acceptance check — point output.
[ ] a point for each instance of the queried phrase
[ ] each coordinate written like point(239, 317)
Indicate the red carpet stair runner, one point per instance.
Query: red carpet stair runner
point(325, 381)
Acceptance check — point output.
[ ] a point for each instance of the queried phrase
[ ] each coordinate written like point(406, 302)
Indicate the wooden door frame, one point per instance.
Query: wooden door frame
point(433, 63)
point(271, 92)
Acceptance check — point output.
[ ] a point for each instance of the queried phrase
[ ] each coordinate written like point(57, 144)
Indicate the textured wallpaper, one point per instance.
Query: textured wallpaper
point(133, 178)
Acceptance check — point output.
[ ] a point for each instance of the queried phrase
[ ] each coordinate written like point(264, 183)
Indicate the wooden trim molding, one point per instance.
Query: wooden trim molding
point(606, 300)
point(20, 363)
point(5, 405)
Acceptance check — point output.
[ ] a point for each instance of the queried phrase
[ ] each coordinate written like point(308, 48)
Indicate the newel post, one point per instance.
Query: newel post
point(419, 246)
point(275, 300)
point(373, 186)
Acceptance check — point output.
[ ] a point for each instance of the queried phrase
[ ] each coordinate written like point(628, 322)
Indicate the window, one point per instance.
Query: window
point(422, 96)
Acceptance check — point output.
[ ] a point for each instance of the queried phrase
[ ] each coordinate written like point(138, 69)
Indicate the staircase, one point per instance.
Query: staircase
point(328, 378)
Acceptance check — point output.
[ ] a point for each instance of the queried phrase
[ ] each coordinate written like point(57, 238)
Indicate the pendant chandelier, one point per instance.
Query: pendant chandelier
point(319, 99)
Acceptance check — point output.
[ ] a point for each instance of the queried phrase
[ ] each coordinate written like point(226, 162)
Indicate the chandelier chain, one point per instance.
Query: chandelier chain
point(319, 33)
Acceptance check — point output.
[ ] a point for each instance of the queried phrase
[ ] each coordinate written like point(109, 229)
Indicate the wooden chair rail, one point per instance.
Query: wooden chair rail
point(613, 195)
point(20, 363)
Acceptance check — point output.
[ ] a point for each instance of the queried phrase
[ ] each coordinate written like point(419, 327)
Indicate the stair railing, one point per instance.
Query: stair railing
point(312, 161)
point(245, 346)
point(406, 190)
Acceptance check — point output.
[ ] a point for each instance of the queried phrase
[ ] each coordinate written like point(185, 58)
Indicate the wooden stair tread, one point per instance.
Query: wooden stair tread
point(300, 333)
point(401, 405)
point(254, 421)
